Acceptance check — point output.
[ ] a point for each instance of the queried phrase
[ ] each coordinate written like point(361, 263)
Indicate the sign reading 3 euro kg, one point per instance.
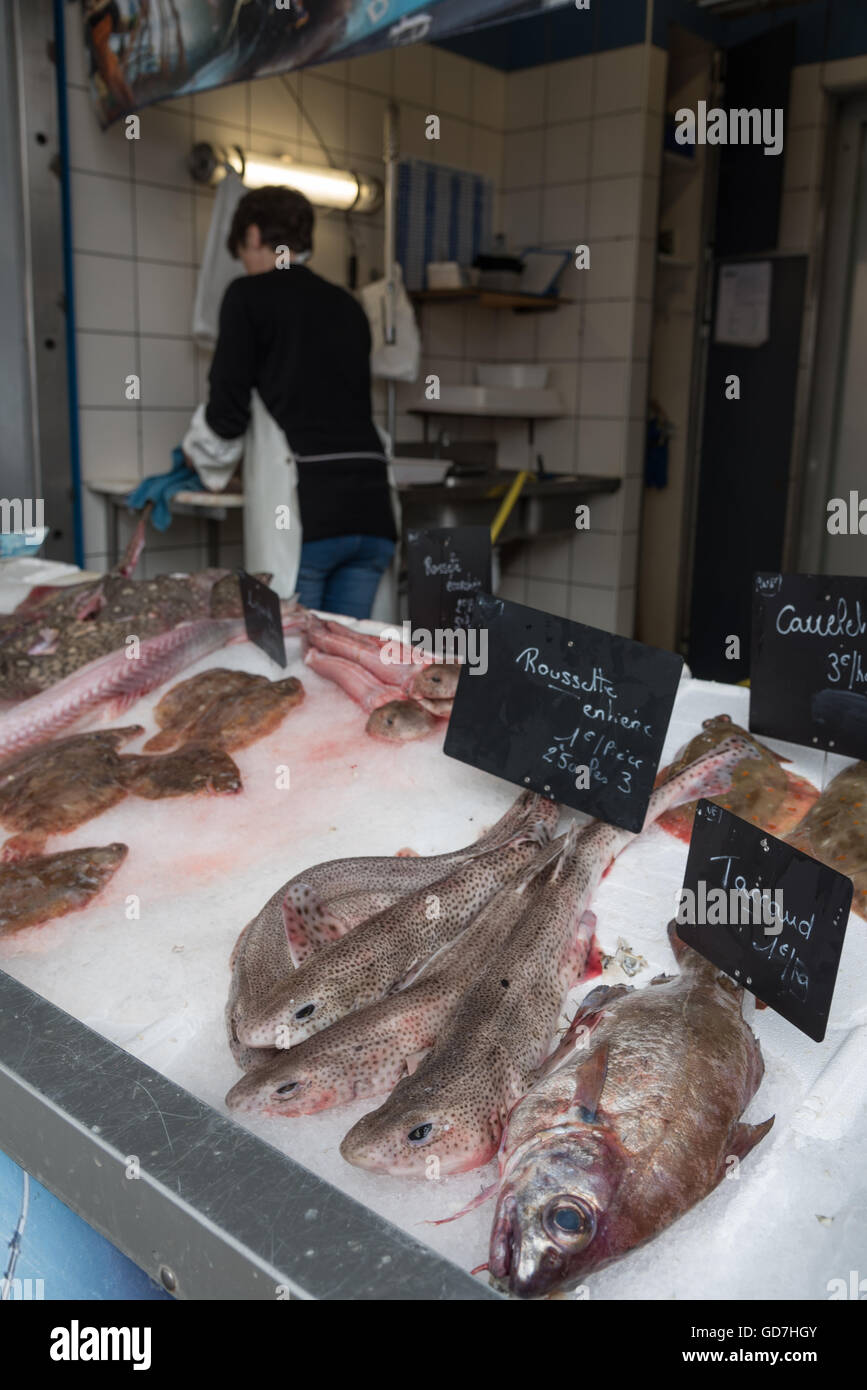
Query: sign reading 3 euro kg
point(566, 710)
point(808, 668)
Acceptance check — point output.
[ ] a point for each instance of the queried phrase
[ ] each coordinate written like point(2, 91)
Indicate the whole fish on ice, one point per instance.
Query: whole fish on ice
point(834, 830)
point(399, 720)
point(54, 788)
point(116, 680)
point(49, 640)
point(33, 891)
point(229, 708)
point(454, 1106)
point(367, 1052)
point(386, 950)
point(762, 791)
point(325, 901)
point(424, 680)
point(637, 1120)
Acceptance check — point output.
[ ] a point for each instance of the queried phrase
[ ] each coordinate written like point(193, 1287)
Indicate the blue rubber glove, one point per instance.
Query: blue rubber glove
point(161, 488)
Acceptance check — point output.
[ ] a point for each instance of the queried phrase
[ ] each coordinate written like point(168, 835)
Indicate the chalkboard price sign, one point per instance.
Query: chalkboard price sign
point(769, 916)
point(808, 669)
point(262, 617)
point(575, 713)
point(446, 567)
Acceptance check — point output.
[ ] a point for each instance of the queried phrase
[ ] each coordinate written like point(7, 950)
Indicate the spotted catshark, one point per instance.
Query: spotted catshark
point(455, 1105)
point(384, 952)
point(366, 1052)
point(325, 901)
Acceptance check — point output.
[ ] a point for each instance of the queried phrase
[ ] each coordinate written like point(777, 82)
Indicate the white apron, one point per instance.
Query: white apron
point(271, 497)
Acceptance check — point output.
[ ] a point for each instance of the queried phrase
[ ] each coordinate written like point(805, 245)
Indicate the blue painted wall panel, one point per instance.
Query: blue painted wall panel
point(60, 1256)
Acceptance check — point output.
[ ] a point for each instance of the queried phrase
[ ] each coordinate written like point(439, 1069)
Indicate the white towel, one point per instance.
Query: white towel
point(397, 361)
point(218, 268)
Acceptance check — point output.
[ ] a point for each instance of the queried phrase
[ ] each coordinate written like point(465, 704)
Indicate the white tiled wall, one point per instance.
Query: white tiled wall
point(808, 159)
point(581, 165)
point(573, 152)
point(140, 222)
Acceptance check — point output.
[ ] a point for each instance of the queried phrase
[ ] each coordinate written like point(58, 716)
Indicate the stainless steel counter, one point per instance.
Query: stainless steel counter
point(544, 508)
point(216, 1213)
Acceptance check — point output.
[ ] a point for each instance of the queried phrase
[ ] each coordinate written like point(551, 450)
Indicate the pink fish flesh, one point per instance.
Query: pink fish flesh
point(117, 680)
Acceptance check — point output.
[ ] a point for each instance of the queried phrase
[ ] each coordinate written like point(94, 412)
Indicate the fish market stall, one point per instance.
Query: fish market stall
point(113, 1046)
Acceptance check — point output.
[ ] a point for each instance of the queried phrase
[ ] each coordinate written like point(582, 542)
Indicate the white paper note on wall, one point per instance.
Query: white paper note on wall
point(743, 310)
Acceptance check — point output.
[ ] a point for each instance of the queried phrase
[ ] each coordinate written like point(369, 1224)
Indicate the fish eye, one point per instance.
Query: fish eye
point(570, 1222)
point(419, 1134)
point(287, 1088)
point(306, 1011)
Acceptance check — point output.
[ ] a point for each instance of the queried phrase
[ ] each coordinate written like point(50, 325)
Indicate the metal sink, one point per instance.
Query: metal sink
point(546, 507)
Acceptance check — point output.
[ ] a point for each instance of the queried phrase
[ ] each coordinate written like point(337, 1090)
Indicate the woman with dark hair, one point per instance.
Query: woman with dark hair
point(290, 391)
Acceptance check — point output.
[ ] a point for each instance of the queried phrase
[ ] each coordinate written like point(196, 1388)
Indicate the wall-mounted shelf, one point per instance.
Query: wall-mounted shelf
point(518, 411)
point(490, 299)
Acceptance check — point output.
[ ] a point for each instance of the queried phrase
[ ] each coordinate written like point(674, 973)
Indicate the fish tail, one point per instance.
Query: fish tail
point(709, 775)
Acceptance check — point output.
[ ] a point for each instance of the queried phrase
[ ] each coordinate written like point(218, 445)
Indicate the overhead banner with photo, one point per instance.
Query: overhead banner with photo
point(142, 51)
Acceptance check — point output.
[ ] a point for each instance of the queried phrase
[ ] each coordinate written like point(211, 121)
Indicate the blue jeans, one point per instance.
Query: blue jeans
point(342, 574)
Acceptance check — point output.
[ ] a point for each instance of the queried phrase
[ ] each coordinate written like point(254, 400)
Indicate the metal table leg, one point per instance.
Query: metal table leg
point(113, 528)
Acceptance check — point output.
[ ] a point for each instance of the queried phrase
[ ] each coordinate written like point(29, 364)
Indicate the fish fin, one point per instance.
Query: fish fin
point(414, 1060)
point(590, 1083)
point(46, 642)
point(163, 742)
point(536, 833)
point(308, 922)
point(23, 846)
point(745, 1138)
point(237, 946)
point(678, 945)
point(568, 846)
point(579, 946)
point(136, 544)
point(587, 1016)
point(476, 1201)
point(539, 865)
point(594, 1004)
point(662, 979)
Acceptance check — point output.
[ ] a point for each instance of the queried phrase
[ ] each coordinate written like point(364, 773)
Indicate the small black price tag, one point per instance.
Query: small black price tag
point(769, 916)
point(262, 617)
point(446, 567)
point(567, 710)
point(808, 667)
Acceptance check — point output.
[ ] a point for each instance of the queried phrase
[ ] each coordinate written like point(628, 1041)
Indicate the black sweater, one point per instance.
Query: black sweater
point(304, 344)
